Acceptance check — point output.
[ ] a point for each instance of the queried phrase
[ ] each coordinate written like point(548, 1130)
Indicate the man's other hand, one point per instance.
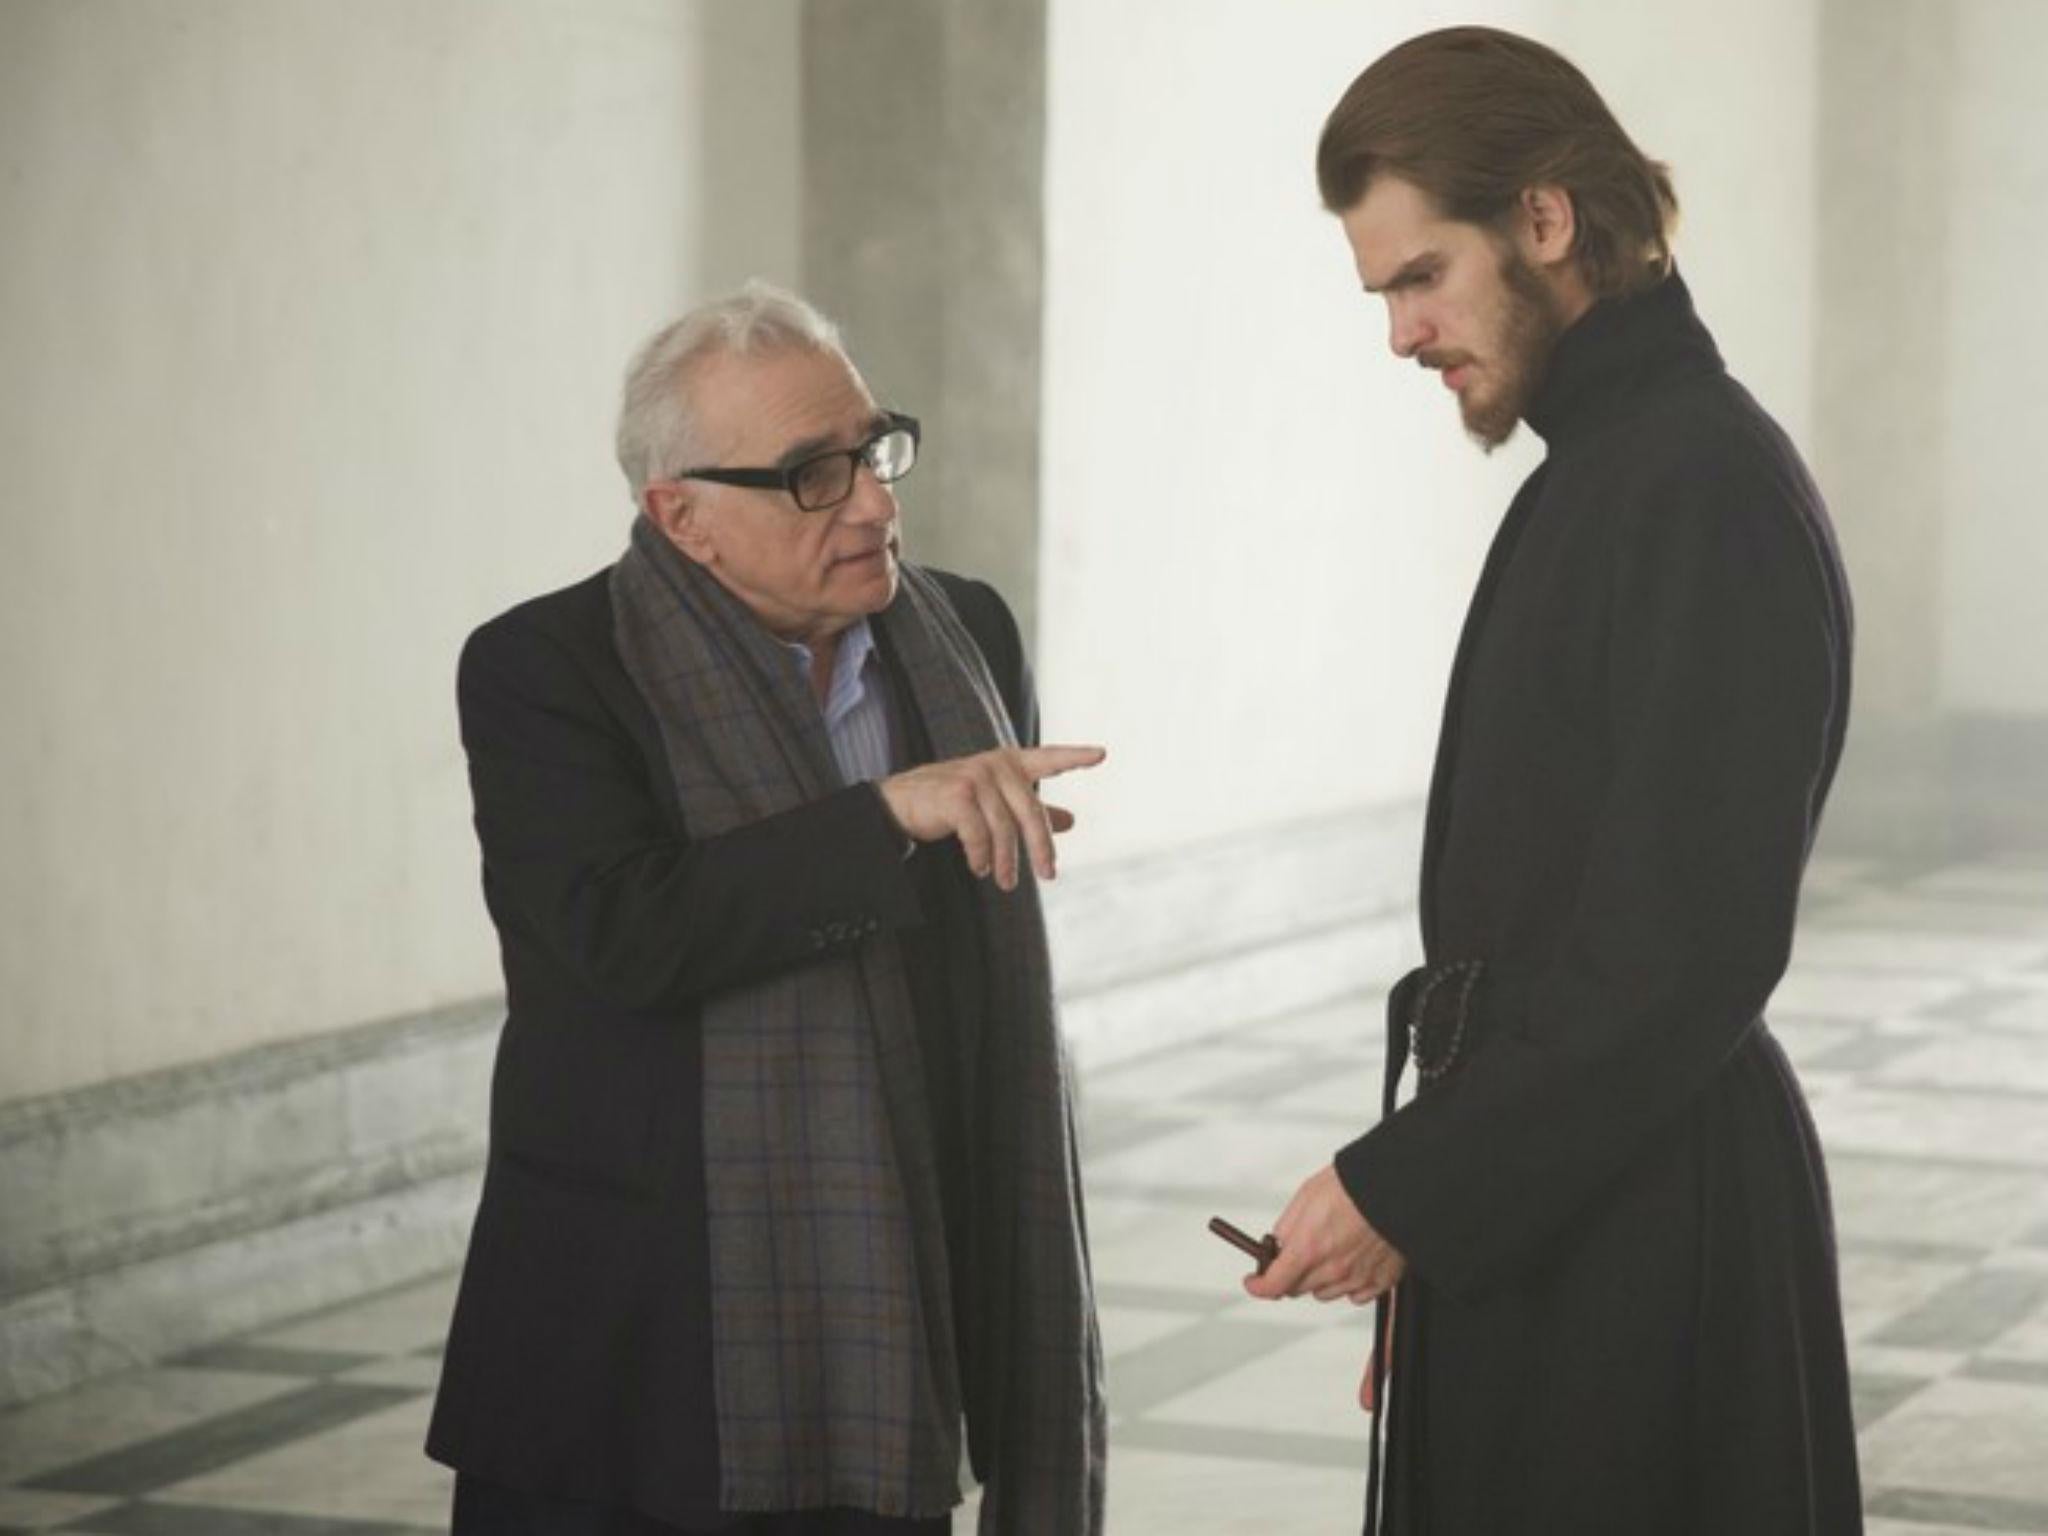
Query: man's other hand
point(990, 802)
point(1327, 1249)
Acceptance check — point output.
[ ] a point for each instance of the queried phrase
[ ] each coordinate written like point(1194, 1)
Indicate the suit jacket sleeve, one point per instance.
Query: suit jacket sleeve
point(1722, 677)
point(580, 857)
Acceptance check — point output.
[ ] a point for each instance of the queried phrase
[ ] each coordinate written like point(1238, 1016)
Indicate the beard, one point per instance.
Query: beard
point(1529, 329)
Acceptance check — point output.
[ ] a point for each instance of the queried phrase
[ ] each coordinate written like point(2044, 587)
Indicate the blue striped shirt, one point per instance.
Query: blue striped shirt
point(856, 705)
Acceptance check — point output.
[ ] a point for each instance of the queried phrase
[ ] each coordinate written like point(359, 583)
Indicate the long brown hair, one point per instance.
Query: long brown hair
point(1473, 116)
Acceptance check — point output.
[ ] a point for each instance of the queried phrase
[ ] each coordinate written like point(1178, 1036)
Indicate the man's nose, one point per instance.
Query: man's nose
point(1407, 331)
point(871, 501)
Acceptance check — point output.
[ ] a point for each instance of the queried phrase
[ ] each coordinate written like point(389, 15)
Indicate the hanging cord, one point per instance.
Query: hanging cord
point(1435, 1058)
point(1383, 1343)
point(1382, 1338)
point(1411, 1032)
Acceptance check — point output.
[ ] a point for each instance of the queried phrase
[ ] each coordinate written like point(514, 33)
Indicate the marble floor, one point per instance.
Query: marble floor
point(1917, 1011)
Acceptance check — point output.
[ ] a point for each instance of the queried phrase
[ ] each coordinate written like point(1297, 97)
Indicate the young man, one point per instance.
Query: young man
point(1603, 1214)
point(782, 1202)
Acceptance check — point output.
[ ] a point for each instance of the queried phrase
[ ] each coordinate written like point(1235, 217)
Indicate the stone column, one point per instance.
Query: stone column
point(923, 234)
point(1879, 371)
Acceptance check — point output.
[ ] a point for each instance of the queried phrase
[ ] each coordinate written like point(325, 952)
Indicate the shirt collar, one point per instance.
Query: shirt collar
point(849, 668)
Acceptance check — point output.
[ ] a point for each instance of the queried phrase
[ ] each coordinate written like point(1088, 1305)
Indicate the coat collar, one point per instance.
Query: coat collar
point(1614, 350)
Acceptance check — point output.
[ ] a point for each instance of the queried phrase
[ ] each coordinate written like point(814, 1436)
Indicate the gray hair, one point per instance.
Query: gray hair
point(656, 426)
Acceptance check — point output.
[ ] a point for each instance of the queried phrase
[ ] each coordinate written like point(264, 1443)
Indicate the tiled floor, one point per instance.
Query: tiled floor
point(1918, 1012)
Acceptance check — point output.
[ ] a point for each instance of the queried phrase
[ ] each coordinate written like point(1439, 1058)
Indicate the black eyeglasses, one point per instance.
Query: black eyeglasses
point(826, 479)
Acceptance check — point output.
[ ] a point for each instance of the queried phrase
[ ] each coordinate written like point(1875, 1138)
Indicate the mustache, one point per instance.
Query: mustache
point(1439, 361)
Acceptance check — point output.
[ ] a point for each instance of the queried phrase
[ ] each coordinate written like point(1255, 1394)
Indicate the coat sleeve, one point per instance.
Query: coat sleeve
point(579, 857)
point(1723, 677)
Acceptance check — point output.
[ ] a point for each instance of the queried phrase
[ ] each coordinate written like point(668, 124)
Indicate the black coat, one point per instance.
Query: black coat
point(1622, 1313)
point(579, 1361)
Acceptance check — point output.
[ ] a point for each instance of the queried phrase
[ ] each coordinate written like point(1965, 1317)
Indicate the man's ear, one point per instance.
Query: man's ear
point(678, 511)
point(1549, 224)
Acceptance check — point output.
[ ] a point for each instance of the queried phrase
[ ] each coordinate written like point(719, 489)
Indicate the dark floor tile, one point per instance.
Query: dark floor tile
point(1140, 1379)
point(1215, 1199)
point(1913, 1251)
point(1236, 1444)
point(1873, 1396)
point(2030, 1373)
point(1970, 1313)
point(1117, 1130)
point(1160, 1298)
point(274, 1360)
point(1877, 1159)
point(1975, 1511)
point(213, 1443)
point(1867, 1052)
point(146, 1519)
point(1289, 1077)
point(1975, 1005)
point(1817, 898)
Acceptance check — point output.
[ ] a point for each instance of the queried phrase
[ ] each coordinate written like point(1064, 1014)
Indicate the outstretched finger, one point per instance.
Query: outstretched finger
point(1050, 762)
point(1059, 818)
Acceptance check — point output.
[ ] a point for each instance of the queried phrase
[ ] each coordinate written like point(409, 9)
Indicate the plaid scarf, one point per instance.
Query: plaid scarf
point(836, 1374)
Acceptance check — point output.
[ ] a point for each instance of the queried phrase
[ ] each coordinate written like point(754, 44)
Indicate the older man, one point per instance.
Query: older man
point(1605, 1208)
point(782, 1191)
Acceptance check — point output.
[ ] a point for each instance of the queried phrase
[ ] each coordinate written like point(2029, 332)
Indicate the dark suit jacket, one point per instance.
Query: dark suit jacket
point(579, 1361)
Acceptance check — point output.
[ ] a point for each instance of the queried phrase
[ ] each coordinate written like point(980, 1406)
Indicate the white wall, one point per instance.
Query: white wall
point(1259, 533)
point(1994, 416)
point(1725, 93)
point(313, 318)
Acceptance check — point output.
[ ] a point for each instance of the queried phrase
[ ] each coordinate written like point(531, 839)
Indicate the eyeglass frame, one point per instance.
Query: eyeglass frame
point(784, 479)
